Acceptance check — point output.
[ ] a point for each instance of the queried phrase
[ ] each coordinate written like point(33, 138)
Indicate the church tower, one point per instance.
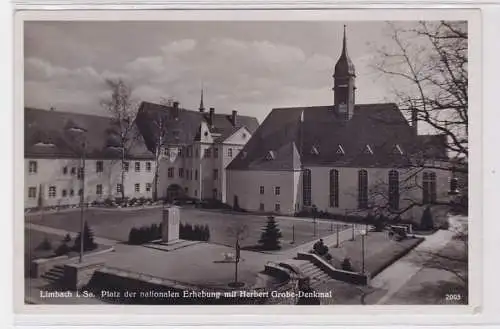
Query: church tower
point(344, 83)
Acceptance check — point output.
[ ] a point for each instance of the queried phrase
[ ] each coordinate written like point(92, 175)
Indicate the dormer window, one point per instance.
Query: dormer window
point(398, 149)
point(270, 155)
point(314, 150)
point(340, 150)
point(368, 149)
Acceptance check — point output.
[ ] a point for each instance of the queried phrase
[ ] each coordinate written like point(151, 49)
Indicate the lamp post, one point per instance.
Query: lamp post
point(363, 233)
point(81, 172)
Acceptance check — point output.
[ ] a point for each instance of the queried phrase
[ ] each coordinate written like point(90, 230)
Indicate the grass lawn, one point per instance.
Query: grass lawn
point(117, 224)
point(380, 251)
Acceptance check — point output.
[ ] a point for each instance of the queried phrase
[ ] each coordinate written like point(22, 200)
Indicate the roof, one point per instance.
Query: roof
point(185, 128)
point(47, 135)
point(379, 128)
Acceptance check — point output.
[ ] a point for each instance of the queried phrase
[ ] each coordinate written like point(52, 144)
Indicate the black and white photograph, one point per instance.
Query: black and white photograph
point(246, 162)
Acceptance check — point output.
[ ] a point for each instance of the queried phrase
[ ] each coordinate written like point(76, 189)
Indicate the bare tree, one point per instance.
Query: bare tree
point(430, 63)
point(123, 110)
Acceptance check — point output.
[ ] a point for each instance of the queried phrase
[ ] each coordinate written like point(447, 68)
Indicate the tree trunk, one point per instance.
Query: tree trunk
point(123, 173)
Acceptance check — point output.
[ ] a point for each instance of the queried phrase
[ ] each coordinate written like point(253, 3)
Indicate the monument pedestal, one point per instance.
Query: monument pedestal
point(170, 225)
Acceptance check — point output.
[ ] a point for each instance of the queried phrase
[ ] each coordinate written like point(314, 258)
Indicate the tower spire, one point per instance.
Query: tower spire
point(202, 106)
point(344, 43)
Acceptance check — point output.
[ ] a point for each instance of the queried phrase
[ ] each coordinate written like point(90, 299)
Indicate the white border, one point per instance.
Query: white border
point(268, 314)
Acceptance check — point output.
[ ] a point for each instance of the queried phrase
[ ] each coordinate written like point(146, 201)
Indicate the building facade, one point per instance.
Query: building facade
point(195, 148)
point(341, 158)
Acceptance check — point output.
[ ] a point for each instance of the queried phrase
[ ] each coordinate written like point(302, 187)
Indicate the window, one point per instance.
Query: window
point(65, 170)
point(137, 166)
point(277, 190)
point(394, 189)
point(73, 171)
point(230, 152)
point(261, 190)
point(190, 151)
point(33, 167)
point(196, 174)
point(216, 152)
point(80, 192)
point(216, 174)
point(80, 173)
point(362, 189)
point(195, 192)
point(214, 193)
point(208, 153)
point(261, 207)
point(98, 189)
point(99, 166)
point(119, 188)
point(32, 192)
point(181, 153)
point(148, 187)
point(334, 188)
point(171, 172)
point(64, 193)
point(126, 165)
point(71, 192)
point(306, 188)
point(181, 172)
point(186, 190)
point(429, 187)
point(52, 191)
point(148, 166)
point(137, 187)
point(277, 207)
point(197, 154)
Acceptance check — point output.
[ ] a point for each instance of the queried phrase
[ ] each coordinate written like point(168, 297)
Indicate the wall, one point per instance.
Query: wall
point(50, 173)
point(410, 187)
point(246, 185)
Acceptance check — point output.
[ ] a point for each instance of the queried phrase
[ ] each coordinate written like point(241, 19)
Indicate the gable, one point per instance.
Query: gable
point(239, 137)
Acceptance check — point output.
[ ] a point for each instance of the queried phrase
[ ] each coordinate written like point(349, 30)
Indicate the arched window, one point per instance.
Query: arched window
point(362, 189)
point(334, 188)
point(394, 189)
point(429, 187)
point(306, 188)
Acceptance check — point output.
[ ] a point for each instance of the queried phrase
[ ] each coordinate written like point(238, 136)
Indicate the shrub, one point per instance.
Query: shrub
point(346, 264)
point(271, 235)
point(44, 245)
point(427, 221)
point(67, 238)
point(88, 239)
point(63, 249)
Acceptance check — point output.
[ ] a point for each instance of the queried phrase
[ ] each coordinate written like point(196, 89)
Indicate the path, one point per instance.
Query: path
point(394, 277)
point(56, 231)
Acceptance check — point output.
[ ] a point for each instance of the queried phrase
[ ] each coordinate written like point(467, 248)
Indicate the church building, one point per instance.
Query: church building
point(340, 158)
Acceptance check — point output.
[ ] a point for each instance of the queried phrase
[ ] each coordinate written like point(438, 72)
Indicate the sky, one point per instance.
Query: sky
point(250, 67)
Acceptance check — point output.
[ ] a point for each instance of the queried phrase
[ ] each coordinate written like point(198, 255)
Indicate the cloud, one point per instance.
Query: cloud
point(248, 75)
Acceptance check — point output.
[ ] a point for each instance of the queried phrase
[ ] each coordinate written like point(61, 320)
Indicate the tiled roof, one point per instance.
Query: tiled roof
point(322, 133)
point(47, 135)
point(185, 129)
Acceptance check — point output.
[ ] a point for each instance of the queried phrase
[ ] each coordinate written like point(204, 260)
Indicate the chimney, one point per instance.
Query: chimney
point(414, 120)
point(175, 110)
point(211, 116)
point(233, 117)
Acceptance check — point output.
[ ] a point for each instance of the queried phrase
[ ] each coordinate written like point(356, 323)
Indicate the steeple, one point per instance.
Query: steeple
point(202, 107)
point(344, 83)
point(344, 66)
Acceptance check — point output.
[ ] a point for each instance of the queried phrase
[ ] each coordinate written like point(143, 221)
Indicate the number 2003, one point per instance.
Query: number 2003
point(453, 297)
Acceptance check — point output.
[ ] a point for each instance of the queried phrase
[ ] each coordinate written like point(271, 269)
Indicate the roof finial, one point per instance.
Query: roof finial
point(344, 42)
point(202, 106)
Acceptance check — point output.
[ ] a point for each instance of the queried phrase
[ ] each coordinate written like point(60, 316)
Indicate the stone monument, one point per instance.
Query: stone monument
point(170, 224)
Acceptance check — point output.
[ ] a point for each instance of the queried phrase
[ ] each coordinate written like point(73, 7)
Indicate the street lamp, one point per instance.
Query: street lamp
point(363, 233)
point(81, 172)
